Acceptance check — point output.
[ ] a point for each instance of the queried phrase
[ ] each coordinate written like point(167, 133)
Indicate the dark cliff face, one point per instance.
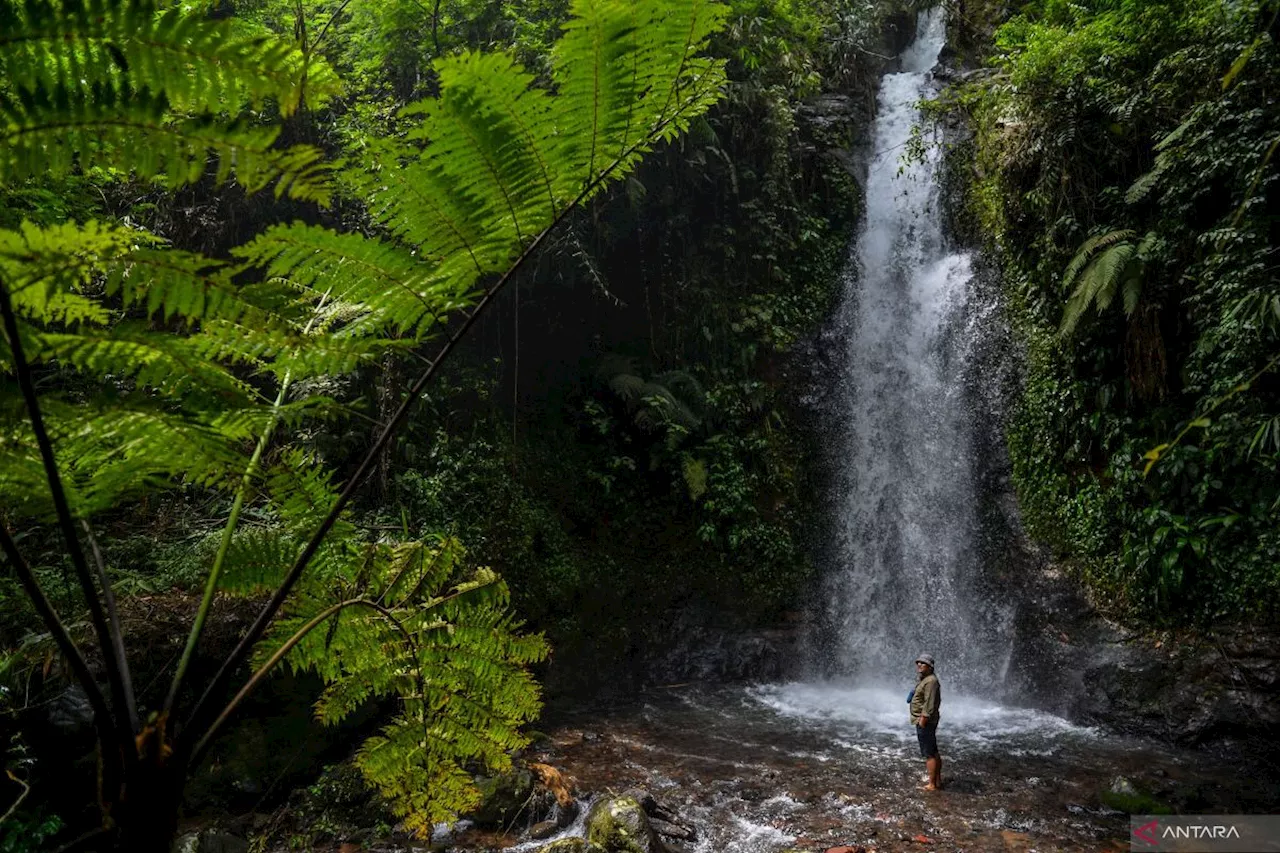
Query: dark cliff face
point(1190, 688)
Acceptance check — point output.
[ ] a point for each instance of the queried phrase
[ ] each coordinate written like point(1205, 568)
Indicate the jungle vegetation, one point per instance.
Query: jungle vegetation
point(1123, 171)
point(239, 239)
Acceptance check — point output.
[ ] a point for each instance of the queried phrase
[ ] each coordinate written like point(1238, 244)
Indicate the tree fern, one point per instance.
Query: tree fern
point(671, 398)
point(480, 177)
point(502, 160)
point(382, 619)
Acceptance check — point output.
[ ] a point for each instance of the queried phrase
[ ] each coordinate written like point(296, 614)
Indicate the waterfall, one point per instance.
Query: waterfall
point(907, 573)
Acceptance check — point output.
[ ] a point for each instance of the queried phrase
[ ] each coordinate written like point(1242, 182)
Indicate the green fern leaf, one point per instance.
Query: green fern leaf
point(1084, 255)
point(382, 282)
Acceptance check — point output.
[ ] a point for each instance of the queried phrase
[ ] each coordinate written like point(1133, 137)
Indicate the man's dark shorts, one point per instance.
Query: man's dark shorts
point(927, 736)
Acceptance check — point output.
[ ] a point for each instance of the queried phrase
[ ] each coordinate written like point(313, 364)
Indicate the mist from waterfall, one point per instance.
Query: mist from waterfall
point(906, 574)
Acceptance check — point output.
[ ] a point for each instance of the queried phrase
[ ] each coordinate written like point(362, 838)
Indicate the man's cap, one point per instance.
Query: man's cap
point(925, 658)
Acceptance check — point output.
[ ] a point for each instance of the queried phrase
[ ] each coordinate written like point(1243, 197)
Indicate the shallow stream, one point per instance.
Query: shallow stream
point(815, 766)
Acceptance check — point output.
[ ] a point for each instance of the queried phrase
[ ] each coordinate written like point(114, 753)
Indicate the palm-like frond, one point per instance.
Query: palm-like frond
point(1105, 266)
point(385, 286)
point(1091, 247)
point(439, 639)
point(133, 86)
point(500, 160)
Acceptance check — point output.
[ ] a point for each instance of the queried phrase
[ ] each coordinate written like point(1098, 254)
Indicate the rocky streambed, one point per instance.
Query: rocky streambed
point(821, 766)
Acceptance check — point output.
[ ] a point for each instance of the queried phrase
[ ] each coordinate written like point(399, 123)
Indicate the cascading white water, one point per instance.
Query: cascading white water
point(907, 562)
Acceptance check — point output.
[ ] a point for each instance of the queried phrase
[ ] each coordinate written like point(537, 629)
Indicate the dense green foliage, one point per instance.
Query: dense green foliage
point(1125, 176)
point(658, 458)
point(161, 369)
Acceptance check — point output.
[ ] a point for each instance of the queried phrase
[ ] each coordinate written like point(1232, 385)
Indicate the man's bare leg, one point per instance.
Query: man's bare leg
point(934, 764)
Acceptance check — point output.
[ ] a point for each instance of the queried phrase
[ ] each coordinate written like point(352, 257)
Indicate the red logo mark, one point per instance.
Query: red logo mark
point(1147, 832)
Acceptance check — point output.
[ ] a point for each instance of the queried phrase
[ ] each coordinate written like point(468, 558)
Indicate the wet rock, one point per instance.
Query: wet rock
point(664, 821)
point(210, 841)
point(1121, 785)
point(543, 829)
point(565, 813)
point(671, 830)
point(621, 826)
point(571, 845)
point(1219, 688)
point(502, 798)
point(1124, 795)
point(899, 31)
point(643, 798)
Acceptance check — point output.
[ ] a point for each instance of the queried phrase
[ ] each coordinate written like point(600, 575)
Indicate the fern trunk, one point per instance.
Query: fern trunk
point(147, 813)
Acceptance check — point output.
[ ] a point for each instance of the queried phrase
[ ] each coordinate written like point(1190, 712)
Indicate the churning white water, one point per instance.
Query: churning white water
point(907, 563)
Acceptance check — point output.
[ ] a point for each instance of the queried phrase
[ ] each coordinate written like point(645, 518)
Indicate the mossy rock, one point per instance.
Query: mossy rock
point(502, 797)
point(571, 845)
point(1124, 796)
point(620, 826)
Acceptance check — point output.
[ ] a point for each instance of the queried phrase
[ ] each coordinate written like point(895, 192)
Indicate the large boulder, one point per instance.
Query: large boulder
point(620, 825)
point(502, 798)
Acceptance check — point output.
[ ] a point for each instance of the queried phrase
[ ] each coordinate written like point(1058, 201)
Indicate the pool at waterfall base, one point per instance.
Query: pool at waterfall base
point(812, 766)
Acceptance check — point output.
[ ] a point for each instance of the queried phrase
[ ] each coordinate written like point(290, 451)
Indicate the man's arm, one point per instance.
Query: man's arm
point(929, 706)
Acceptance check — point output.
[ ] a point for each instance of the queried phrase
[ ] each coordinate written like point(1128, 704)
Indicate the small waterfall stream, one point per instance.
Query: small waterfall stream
point(907, 574)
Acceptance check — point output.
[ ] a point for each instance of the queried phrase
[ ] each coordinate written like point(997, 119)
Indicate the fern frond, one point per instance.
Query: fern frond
point(502, 160)
point(112, 452)
point(1131, 293)
point(623, 70)
point(487, 132)
point(629, 388)
point(1146, 182)
point(286, 352)
point(161, 362)
point(49, 133)
point(256, 561)
point(1084, 255)
point(300, 490)
point(443, 644)
point(1102, 277)
point(203, 64)
point(39, 263)
point(134, 87)
point(384, 282)
point(1099, 283)
point(46, 267)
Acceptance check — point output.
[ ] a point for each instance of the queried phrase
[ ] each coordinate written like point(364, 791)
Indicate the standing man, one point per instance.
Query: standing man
point(925, 702)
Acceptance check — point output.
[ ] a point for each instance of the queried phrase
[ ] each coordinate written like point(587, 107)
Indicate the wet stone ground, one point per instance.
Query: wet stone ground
point(813, 767)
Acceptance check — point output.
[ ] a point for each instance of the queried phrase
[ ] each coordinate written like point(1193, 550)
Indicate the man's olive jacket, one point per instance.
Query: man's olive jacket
point(927, 699)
